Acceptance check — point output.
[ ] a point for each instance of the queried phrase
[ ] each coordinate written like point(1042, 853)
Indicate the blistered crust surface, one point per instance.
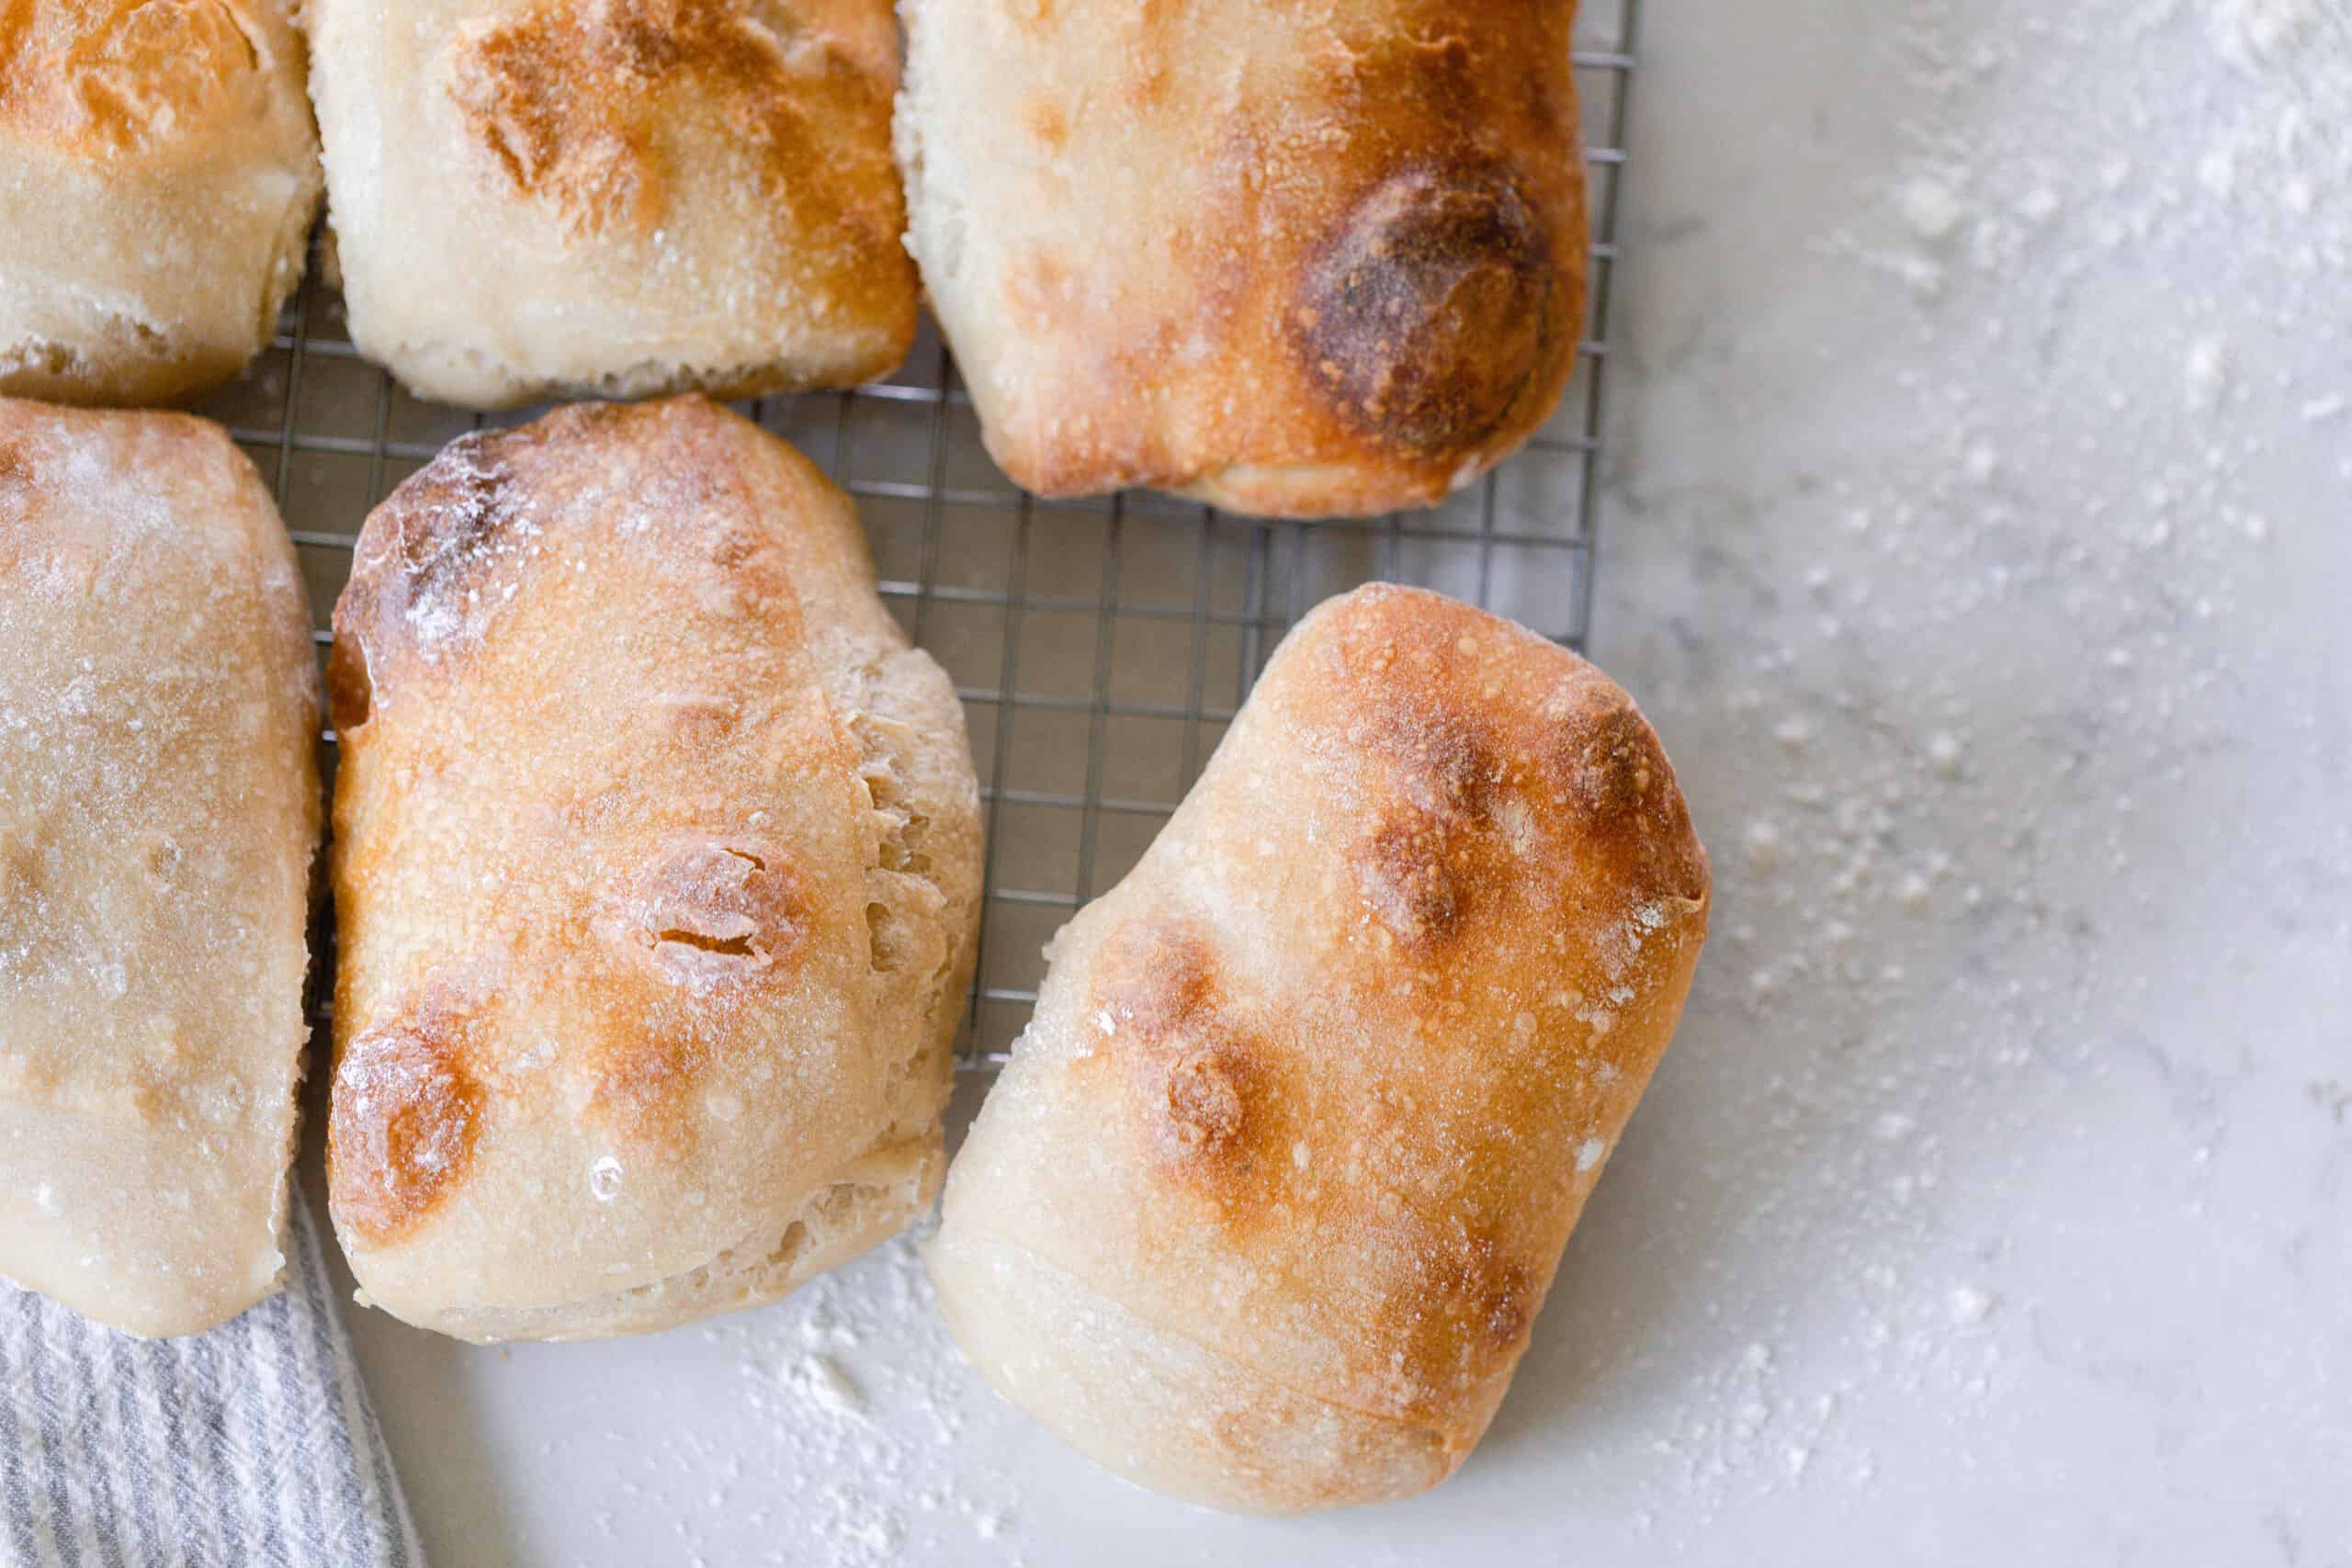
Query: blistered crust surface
point(1323, 1084)
point(158, 811)
point(1296, 260)
point(650, 914)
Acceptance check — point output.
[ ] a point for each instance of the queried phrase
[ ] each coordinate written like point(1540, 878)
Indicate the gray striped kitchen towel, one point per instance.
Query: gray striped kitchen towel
point(250, 1447)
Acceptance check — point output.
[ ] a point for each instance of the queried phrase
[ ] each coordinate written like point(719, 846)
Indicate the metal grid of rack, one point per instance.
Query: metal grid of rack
point(1099, 647)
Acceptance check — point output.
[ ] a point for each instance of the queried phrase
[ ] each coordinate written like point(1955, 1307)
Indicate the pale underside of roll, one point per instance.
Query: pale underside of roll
point(1296, 260)
point(536, 198)
point(1262, 1208)
point(158, 808)
point(657, 867)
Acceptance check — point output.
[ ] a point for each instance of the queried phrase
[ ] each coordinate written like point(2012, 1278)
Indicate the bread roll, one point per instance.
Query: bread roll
point(158, 174)
point(158, 804)
point(1262, 1210)
point(656, 871)
point(1296, 260)
point(540, 197)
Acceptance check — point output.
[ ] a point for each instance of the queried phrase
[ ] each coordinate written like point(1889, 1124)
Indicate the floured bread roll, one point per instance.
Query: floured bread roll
point(158, 804)
point(1297, 260)
point(538, 198)
point(656, 871)
point(158, 174)
point(1276, 1181)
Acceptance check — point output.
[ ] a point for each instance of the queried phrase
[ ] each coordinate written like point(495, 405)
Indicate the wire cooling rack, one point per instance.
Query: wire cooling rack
point(1099, 647)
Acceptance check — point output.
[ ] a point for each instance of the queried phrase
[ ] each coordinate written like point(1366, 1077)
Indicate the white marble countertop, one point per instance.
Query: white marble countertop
point(1981, 543)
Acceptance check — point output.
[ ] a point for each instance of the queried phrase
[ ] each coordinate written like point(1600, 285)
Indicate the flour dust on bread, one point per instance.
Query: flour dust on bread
point(536, 198)
point(1261, 1211)
point(1293, 260)
point(656, 874)
point(158, 808)
point(158, 175)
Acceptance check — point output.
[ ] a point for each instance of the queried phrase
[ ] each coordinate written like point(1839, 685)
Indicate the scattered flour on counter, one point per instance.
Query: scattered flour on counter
point(866, 1416)
point(2254, 33)
point(857, 1371)
point(819, 1379)
point(1930, 208)
point(1968, 1306)
point(2204, 377)
point(2078, 532)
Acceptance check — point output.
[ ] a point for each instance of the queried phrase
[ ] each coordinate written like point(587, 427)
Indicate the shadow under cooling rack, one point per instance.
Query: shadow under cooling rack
point(1099, 647)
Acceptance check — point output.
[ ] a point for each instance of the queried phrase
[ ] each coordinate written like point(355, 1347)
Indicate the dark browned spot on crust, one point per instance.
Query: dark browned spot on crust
point(406, 1112)
point(1619, 781)
point(1427, 308)
point(20, 878)
point(1204, 1100)
point(1612, 764)
point(1426, 865)
point(696, 718)
point(455, 506)
point(573, 101)
point(1197, 1081)
point(1497, 1298)
point(435, 562)
point(1465, 1305)
point(117, 76)
point(1411, 870)
point(1444, 762)
point(706, 911)
point(1047, 123)
point(1513, 763)
point(349, 694)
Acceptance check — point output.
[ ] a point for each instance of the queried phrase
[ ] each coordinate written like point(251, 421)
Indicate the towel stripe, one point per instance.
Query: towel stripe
point(122, 1438)
point(353, 1524)
point(266, 1391)
point(96, 1443)
point(194, 1540)
point(385, 1517)
point(309, 1380)
point(16, 1480)
point(52, 1447)
point(252, 1446)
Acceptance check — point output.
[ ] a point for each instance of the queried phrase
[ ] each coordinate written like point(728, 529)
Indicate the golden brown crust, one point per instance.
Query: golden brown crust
point(436, 573)
point(1323, 1084)
point(617, 198)
point(1369, 264)
point(706, 913)
point(1580, 763)
point(406, 1107)
point(158, 175)
point(1426, 313)
point(618, 802)
point(1199, 1081)
point(575, 105)
point(106, 78)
